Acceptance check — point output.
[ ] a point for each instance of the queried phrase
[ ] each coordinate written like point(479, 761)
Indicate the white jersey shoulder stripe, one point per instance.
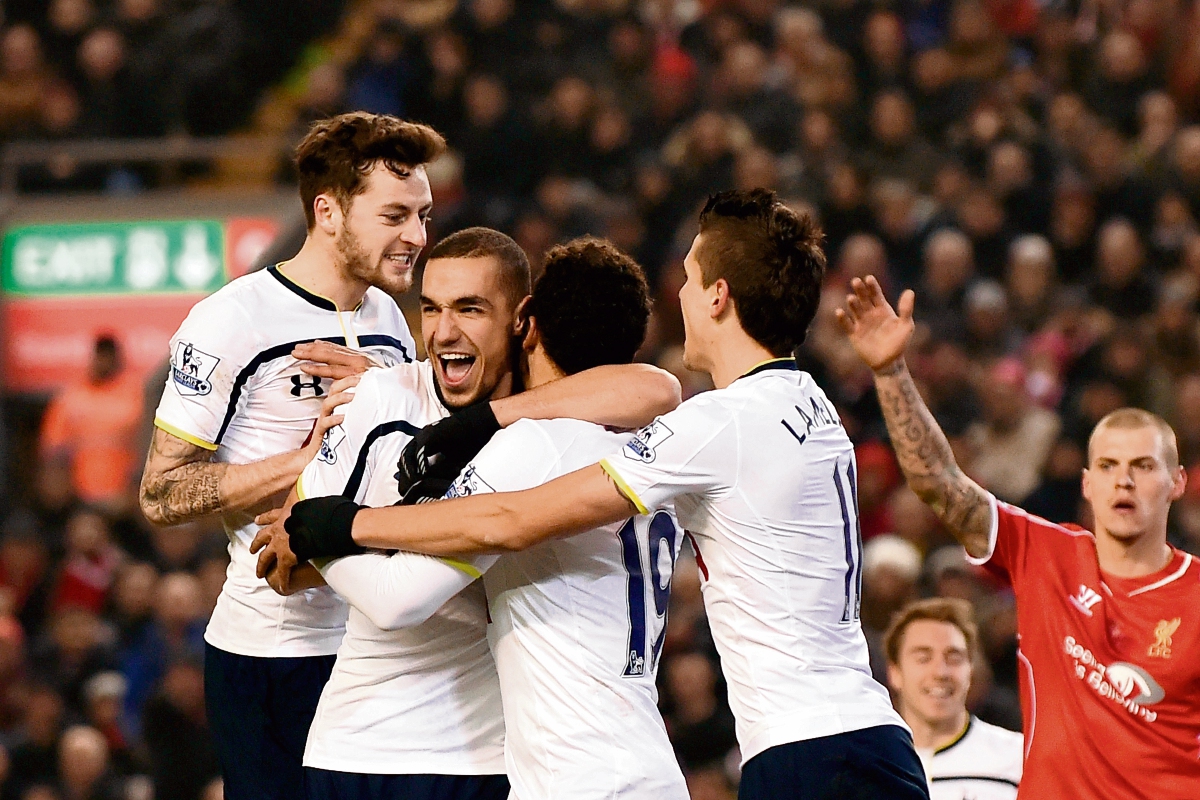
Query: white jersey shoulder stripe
point(285, 349)
point(354, 482)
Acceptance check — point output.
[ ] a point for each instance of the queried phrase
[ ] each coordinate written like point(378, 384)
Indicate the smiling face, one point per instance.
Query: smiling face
point(383, 229)
point(1131, 482)
point(932, 673)
point(468, 322)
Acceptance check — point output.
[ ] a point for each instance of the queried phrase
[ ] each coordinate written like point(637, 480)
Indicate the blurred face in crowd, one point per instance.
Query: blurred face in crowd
point(20, 51)
point(102, 54)
point(1187, 153)
point(1131, 480)
point(468, 322)
point(1118, 254)
point(485, 100)
point(380, 232)
point(82, 759)
point(932, 674)
point(892, 120)
point(745, 68)
point(948, 262)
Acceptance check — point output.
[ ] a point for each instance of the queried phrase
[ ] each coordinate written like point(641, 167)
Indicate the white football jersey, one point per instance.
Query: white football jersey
point(416, 700)
point(761, 474)
point(577, 629)
point(984, 763)
point(234, 388)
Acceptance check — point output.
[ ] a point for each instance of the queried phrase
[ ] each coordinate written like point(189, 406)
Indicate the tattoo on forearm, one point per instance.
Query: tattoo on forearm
point(928, 462)
point(172, 492)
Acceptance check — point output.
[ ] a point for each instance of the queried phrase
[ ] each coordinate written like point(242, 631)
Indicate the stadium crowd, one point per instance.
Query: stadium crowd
point(1031, 169)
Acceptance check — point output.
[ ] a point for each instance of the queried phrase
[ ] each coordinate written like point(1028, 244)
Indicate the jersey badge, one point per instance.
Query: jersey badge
point(1086, 599)
point(191, 369)
point(329, 445)
point(467, 484)
point(1162, 638)
point(644, 443)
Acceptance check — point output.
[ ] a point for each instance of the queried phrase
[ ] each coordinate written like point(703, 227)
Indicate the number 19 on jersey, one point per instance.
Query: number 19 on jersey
point(649, 546)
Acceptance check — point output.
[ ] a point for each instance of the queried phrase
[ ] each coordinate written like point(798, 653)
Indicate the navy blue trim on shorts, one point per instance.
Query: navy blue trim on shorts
point(869, 764)
point(323, 784)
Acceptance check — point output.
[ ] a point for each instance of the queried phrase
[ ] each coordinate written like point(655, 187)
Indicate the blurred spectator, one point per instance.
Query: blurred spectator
point(699, 721)
point(104, 700)
point(890, 569)
point(23, 78)
point(182, 760)
point(88, 566)
point(1121, 286)
point(77, 645)
point(92, 424)
point(25, 569)
point(1013, 440)
point(84, 768)
point(34, 754)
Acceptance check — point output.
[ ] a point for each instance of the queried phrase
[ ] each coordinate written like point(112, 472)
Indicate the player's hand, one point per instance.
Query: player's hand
point(879, 335)
point(340, 393)
point(275, 557)
point(322, 527)
point(441, 450)
point(329, 360)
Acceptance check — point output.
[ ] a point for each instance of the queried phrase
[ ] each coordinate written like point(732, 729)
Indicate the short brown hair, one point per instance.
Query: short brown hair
point(938, 609)
point(338, 152)
point(482, 242)
point(591, 304)
point(771, 257)
point(1127, 418)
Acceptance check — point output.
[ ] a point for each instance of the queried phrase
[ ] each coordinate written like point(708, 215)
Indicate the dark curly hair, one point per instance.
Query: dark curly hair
point(771, 257)
point(338, 152)
point(591, 304)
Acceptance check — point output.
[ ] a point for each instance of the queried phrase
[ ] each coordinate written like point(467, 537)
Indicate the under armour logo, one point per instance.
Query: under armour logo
point(298, 386)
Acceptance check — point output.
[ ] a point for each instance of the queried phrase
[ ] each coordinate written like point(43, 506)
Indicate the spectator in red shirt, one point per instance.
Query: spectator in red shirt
point(1109, 632)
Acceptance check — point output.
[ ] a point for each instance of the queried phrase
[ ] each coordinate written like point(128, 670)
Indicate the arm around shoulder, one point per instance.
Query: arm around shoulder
point(618, 395)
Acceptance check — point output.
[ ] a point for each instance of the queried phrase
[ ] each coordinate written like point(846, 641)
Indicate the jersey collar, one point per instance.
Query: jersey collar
point(311, 298)
point(966, 729)
point(774, 363)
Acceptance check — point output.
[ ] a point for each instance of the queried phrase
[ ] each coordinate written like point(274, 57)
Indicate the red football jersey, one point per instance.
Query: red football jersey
point(1109, 667)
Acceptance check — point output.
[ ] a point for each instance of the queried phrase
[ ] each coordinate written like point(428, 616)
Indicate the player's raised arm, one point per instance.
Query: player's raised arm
point(879, 336)
point(181, 482)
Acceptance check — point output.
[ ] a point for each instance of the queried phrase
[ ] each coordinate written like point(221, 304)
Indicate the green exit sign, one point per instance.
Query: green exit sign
point(176, 256)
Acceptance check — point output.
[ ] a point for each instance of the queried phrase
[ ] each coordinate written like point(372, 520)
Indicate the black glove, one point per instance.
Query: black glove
point(320, 528)
point(426, 490)
point(441, 450)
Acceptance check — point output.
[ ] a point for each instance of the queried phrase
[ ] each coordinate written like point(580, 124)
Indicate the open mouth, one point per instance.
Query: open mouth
point(456, 367)
point(400, 260)
point(1124, 506)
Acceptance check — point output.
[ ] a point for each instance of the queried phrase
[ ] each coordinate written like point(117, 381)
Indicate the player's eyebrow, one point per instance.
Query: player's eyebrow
point(458, 302)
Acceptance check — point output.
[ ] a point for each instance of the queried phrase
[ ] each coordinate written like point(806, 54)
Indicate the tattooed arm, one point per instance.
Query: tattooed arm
point(181, 482)
point(879, 336)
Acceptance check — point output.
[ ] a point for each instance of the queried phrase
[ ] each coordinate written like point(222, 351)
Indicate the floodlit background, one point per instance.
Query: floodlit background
point(1030, 167)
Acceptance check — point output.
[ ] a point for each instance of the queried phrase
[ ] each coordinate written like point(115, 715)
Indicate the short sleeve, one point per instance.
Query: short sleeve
point(519, 457)
point(1008, 544)
point(691, 450)
point(344, 463)
point(207, 353)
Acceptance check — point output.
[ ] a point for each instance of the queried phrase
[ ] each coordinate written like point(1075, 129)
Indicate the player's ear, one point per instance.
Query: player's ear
point(328, 213)
point(1179, 484)
point(521, 316)
point(893, 677)
point(533, 336)
point(719, 299)
point(1086, 485)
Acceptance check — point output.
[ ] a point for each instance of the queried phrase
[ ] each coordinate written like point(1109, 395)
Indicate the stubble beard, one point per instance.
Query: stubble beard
point(356, 263)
